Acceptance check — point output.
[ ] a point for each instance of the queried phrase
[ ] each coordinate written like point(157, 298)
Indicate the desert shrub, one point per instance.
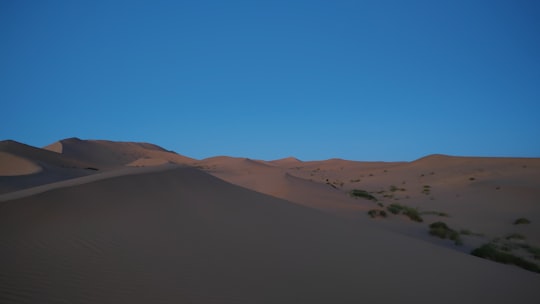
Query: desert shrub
point(394, 208)
point(362, 194)
point(515, 236)
point(454, 236)
point(440, 229)
point(373, 213)
point(535, 251)
point(490, 252)
point(412, 213)
point(521, 220)
point(394, 188)
point(438, 213)
point(469, 232)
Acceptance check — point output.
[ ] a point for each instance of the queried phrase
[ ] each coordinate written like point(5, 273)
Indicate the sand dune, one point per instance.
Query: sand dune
point(40, 156)
point(148, 162)
point(107, 222)
point(269, 178)
point(13, 165)
point(164, 237)
point(108, 154)
point(288, 161)
point(38, 165)
point(72, 158)
point(481, 195)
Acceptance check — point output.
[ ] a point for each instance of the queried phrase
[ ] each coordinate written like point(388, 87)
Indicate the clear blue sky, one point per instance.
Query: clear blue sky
point(362, 80)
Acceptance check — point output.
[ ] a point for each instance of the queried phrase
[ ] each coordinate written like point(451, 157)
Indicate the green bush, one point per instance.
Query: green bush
point(438, 213)
point(490, 252)
point(412, 213)
point(362, 194)
point(439, 229)
point(394, 208)
point(373, 213)
point(442, 230)
point(393, 188)
point(535, 251)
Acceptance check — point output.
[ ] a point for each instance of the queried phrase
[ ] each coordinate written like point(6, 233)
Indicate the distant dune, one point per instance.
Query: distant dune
point(108, 222)
point(13, 165)
point(108, 154)
point(73, 157)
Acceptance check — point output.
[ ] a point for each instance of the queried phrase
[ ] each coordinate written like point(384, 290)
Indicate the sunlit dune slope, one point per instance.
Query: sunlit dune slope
point(110, 154)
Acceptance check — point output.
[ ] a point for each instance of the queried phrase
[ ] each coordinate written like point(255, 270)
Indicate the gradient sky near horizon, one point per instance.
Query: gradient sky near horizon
point(360, 80)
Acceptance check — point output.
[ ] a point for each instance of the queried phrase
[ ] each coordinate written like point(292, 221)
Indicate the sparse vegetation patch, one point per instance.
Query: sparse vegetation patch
point(437, 213)
point(492, 252)
point(468, 232)
point(521, 221)
point(377, 213)
point(511, 250)
point(442, 230)
point(394, 188)
point(394, 208)
point(362, 194)
point(515, 236)
point(410, 212)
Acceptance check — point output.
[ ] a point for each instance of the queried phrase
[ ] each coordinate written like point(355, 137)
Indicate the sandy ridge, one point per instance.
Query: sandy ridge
point(84, 180)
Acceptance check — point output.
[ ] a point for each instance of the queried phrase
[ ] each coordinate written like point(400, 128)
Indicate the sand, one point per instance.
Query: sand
point(108, 154)
point(235, 230)
point(73, 158)
point(13, 165)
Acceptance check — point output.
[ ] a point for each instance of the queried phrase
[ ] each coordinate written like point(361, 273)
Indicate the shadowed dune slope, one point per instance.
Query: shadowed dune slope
point(41, 156)
point(110, 154)
point(183, 236)
point(23, 166)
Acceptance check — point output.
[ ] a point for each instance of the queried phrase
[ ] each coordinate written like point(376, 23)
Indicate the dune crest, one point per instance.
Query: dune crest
point(110, 154)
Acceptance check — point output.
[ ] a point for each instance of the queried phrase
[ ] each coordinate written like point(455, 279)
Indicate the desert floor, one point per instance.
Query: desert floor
point(93, 221)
